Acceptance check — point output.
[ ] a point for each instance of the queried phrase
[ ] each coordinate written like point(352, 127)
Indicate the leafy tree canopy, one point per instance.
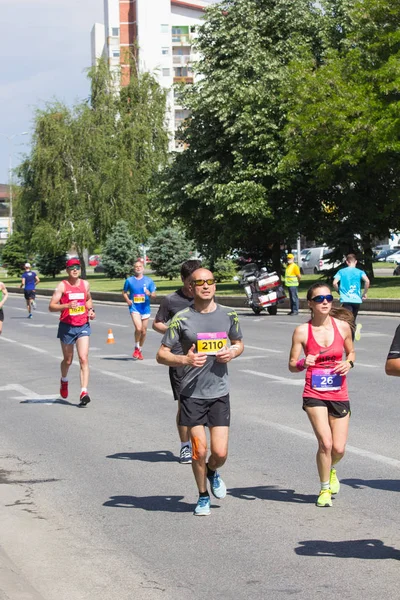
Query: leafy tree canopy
point(169, 248)
point(95, 163)
point(14, 253)
point(225, 187)
point(120, 251)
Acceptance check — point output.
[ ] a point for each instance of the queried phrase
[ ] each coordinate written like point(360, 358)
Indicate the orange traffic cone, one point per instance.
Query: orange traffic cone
point(110, 337)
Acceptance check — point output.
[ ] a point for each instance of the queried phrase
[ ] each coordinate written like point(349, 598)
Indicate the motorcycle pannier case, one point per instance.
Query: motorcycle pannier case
point(267, 282)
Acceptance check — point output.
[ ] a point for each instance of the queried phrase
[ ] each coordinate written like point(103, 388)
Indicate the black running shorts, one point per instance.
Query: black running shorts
point(335, 409)
point(1, 315)
point(175, 380)
point(213, 412)
point(30, 294)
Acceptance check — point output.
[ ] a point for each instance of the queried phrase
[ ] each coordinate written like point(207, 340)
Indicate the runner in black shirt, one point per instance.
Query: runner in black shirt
point(392, 366)
point(169, 306)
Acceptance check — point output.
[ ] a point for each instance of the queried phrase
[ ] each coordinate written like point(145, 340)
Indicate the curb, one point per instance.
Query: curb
point(384, 306)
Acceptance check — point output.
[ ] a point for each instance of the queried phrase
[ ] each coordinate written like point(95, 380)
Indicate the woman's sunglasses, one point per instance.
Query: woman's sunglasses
point(200, 282)
point(74, 268)
point(320, 299)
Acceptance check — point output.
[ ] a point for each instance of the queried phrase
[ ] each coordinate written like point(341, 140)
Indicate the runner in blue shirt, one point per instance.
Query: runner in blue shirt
point(29, 282)
point(137, 293)
point(348, 283)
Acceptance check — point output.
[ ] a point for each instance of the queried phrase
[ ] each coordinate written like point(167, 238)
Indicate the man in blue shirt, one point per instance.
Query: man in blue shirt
point(137, 293)
point(29, 282)
point(347, 283)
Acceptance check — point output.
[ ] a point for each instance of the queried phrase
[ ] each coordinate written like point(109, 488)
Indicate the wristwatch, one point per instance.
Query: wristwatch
point(351, 363)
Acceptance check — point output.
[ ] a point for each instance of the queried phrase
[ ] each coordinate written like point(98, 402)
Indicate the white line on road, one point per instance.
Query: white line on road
point(352, 449)
point(263, 349)
point(283, 380)
point(116, 325)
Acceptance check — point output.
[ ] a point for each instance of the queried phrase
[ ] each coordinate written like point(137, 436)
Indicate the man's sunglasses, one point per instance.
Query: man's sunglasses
point(74, 268)
point(200, 282)
point(320, 299)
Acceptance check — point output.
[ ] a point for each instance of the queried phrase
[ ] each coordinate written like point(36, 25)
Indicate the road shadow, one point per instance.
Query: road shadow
point(364, 549)
point(270, 492)
point(151, 503)
point(154, 456)
point(44, 401)
point(391, 485)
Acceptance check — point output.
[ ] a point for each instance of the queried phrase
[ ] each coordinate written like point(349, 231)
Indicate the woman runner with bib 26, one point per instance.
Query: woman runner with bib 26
point(324, 339)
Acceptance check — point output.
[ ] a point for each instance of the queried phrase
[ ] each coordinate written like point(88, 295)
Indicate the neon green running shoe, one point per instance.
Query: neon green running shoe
point(334, 482)
point(324, 498)
point(357, 335)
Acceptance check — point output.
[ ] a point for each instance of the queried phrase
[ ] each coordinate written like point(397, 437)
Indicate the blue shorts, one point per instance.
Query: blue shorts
point(68, 334)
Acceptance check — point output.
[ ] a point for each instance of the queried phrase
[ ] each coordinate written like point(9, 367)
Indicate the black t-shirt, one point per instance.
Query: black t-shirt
point(394, 351)
point(169, 306)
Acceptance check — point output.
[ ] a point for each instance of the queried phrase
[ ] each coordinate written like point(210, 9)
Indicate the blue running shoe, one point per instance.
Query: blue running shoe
point(203, 506)
point(218, 487)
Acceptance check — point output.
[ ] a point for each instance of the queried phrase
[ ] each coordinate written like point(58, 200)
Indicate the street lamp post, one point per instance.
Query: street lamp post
point(10, 139)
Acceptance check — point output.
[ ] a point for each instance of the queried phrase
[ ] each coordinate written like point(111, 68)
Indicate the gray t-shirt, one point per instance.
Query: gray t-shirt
point(209, 332)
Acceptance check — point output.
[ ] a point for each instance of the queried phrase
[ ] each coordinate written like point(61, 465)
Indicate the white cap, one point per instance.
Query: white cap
point(27, 265)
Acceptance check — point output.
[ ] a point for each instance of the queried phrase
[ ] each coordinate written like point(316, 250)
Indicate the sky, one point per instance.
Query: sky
point(45, 49)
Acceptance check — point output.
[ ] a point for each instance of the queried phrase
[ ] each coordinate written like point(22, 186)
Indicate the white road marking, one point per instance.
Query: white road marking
point(263, 349)
point(41, 325)
point(352, 449)
point(116, 325)
point(28, 394)
point(40, 350)
point(251, 357)
point(283, 380)
point(365, 365)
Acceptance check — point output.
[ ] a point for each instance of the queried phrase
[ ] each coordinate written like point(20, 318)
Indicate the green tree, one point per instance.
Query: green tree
point(95, 163)
point(120, 251)
point(168, 249)
point(224, 269)
point(14, 253)
point(343, 131)
point(51, 264)
point(225, 187)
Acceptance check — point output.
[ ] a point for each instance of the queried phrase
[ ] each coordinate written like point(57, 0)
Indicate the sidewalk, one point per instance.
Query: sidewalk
point(13, 586)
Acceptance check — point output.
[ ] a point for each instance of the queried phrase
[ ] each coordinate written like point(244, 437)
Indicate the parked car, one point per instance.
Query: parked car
point(99, 268)
point(94, 260)
point(318, 260)
point(394, 257)
point(384, 254)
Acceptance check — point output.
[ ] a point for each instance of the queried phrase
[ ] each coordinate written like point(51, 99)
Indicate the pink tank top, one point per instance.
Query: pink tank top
point(320, 382)
point(78, 315)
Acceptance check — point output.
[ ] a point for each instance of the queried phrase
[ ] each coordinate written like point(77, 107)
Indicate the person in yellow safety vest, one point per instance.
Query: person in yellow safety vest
point(292, 280)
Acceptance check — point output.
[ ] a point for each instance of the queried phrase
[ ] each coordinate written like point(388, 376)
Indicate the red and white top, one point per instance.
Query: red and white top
point(79, 314)
point(320, 382)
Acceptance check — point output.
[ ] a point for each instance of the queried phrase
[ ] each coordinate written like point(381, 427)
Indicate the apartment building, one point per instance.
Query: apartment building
point(160, 34)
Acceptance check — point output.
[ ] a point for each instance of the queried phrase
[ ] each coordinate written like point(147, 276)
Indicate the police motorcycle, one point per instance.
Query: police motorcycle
point(264, 290)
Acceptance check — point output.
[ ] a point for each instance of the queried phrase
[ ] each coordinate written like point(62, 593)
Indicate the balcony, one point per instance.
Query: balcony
point(181, 60)
point(182, 39)
point(183, 79)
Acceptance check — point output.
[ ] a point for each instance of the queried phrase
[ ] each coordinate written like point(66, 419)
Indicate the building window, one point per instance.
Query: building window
point(164, 28)
point(115, 31)
point(115, 53)
point(166, 72)
point(165, 51)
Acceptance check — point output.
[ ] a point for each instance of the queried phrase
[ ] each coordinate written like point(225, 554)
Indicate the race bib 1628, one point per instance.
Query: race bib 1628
point(323, 380)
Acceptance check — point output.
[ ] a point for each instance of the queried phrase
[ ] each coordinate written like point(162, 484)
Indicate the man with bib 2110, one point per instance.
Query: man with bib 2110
point(203, 331)
point(137, 292)
point(72, 298)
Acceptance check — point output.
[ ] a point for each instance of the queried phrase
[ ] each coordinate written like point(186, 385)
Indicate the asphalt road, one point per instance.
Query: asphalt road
point(94, 503)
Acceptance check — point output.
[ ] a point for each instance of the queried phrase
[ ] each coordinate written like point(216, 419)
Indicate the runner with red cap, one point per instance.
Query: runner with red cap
point(72, 298)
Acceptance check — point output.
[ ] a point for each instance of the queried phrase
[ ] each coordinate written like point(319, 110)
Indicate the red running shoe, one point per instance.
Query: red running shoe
point(137, 354)
point(140, 357)
point(64, 389)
